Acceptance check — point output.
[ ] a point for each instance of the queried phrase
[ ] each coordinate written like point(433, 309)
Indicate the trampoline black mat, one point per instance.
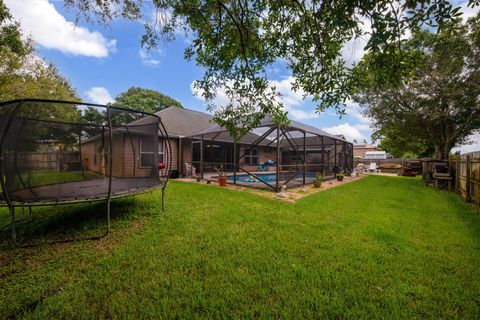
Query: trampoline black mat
point(93, 189)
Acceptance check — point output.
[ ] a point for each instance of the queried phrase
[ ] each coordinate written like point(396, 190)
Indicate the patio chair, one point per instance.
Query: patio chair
point(189, 169)
point(194, 172)
point(360, 168)
point(373, 167)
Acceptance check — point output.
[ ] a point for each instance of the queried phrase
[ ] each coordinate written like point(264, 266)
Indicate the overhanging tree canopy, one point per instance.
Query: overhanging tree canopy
point(440, 102)
point(238, 41)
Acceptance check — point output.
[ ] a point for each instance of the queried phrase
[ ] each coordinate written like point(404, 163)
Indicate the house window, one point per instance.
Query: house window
point(295, 156)
point(251, 156)
point(315, 157)
point(147, 152)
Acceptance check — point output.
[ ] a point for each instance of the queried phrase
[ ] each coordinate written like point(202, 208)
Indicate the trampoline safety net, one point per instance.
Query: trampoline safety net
point(64, 152)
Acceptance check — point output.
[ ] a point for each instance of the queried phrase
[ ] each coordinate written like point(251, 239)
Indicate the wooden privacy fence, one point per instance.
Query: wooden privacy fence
point(50, 160)
point(379, 162)
point(467, 175)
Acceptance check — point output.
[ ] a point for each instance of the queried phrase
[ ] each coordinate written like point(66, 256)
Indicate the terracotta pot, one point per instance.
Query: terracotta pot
point(222, 181)
point(317, 184)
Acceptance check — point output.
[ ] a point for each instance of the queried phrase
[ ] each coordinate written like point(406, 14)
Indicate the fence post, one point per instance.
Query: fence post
point(467, 179)
point(58, 160)
point(457, 173)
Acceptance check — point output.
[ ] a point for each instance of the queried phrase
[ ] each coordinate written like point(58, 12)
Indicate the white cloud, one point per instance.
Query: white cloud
point(363, 127)
point(160, 18)
point(298, 114)
point(51, 30)
point(99, 95)
point(221, 98)
point(355, 110)
point(353, 50)
point(291, 99)
point(350, 132)
point(147, 59)
point(474, 146)
point(468, 12)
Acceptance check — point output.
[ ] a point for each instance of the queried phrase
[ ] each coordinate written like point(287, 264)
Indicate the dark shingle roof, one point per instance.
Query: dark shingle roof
point(181, 122)
point(268, 122)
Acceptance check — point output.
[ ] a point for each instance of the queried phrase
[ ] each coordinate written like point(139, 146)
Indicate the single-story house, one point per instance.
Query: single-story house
point(360, 149)
point(190, 130)
point(132, 153)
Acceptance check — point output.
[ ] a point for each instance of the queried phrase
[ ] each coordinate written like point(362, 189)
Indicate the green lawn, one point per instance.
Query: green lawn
point(51, 177)
point(377, 248)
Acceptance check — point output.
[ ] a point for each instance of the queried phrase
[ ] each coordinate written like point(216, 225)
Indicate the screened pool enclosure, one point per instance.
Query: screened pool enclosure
point(53, 154)
point(271, 156)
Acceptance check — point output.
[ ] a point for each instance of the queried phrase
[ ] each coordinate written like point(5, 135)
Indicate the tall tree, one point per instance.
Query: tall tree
point(145, 100)
point(11, 35)
point(237, 42)
point(400, 145)
point(94, 117)
point(24, 75)
point(440, 102)
point(14, 51)
point(140, 99)
point(22, 72)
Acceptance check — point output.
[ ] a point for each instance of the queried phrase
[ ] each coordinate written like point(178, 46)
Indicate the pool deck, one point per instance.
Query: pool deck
point(291, 195)
point(293, 183)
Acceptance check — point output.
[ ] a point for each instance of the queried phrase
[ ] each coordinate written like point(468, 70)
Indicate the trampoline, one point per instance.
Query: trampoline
point(65, 152)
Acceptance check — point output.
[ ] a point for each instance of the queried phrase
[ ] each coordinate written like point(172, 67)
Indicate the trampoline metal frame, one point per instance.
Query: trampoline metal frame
point(12, 205)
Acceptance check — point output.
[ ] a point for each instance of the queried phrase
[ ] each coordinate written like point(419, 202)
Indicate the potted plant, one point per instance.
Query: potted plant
point(222, 178)
point(317, 183)
point(340, 175)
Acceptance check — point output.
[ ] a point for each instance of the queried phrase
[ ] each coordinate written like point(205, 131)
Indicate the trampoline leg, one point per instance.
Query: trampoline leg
point(34, 244)
point(108, 219)
point(163, 199)
point(14, 229)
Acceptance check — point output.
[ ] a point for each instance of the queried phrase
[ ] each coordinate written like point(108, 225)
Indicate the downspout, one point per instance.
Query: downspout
point(179, 156)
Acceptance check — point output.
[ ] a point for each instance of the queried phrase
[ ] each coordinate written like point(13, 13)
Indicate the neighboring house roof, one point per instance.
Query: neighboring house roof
point(360, 149)
point(375, 152)
point(181, 122)
point(365, 146)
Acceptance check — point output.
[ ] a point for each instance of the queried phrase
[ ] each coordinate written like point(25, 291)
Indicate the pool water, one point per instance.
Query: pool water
point(270, 177)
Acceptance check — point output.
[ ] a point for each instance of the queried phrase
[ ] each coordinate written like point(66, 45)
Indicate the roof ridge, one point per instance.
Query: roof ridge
point(183, 108)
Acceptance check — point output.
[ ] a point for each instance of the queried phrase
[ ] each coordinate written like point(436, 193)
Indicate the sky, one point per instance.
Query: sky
point(101, 62)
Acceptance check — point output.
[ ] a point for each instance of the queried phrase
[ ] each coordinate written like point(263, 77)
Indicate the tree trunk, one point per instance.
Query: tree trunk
point(442, 152)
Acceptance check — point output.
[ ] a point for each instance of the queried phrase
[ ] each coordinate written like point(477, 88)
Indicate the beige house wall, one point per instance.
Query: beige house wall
point(360, 151)
point(186, 155)
point(125, 156)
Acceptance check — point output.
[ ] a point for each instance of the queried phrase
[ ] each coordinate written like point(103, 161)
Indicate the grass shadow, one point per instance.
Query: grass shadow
point(53, 223)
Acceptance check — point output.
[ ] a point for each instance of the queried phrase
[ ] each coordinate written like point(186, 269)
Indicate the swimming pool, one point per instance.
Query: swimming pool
point(270, 177)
